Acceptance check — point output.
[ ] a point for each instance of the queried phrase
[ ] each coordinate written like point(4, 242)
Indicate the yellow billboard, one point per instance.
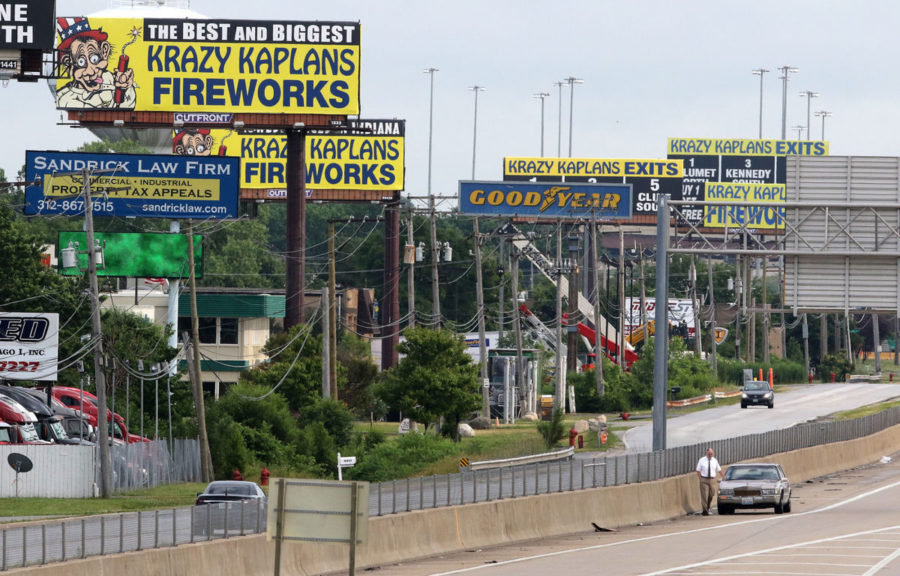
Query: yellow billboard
point(235, 66)
point(755, 216)
point(372, 157)
point(591, 167)
point(746, 147)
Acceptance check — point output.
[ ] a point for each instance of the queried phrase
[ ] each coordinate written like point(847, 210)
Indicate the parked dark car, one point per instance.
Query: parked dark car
point(757, 393)
point(761, 485)
point(234, 506)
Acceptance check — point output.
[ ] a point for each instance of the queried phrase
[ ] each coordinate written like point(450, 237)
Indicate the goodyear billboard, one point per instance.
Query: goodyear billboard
point(545, 200)
point(171, 65)
point(648, 178)
point(756, 217)
point(132, 185)
point(370, 155)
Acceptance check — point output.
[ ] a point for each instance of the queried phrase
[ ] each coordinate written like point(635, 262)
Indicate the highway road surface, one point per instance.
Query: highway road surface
point(847, 524)
point(795, 405)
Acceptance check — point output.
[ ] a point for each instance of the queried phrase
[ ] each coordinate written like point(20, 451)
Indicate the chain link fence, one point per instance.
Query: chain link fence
point(61, 540)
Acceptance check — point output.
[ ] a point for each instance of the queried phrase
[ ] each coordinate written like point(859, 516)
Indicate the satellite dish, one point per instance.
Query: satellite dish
point(19, 462)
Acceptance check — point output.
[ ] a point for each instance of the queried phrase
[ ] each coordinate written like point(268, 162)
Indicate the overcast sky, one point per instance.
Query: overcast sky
point(651, 70)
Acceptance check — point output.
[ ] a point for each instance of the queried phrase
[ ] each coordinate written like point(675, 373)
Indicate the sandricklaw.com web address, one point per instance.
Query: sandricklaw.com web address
point(184, 208)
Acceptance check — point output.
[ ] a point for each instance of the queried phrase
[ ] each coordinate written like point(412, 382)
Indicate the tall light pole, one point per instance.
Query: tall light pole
point(809, 95)
point(559, 85)
point(785, 71)
point(435, 249)
point(543, 96)
point(476, 89)
point(760, 72)
point(824, 114)
point(572, 81)
point(799, 128)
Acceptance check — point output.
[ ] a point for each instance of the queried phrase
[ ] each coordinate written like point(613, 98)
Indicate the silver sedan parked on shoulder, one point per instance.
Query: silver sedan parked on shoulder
point(759, 485)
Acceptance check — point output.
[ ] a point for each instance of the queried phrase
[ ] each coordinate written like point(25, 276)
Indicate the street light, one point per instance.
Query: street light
point(543, 96)
point(809, 95)
point(435, 285)
point(785, 71)
point(799, 128)
point(760, 72)
point(824, 114)
point(475, 89)
point(572, 81)
point(559, 85)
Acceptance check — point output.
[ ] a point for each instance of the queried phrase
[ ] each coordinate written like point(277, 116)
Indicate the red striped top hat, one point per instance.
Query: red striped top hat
point(71, 28)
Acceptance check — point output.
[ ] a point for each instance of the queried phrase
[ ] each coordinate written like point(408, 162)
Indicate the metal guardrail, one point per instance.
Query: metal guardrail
point(72, 539)
point(534, 458)
point(61, 540)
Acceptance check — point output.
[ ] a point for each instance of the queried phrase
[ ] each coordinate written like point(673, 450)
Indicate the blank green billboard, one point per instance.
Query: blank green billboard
point(134, 255)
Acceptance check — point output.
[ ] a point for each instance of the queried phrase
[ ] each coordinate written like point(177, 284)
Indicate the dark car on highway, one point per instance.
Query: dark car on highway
point(757, 393)
point(761, 485)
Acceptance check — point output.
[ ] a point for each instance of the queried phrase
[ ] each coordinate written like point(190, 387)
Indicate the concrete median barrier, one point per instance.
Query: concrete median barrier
point(404, 537)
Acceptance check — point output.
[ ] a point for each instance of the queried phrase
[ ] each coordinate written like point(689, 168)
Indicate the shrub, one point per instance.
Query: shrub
point(401, 458)
point(553, 430)
point(836, 364)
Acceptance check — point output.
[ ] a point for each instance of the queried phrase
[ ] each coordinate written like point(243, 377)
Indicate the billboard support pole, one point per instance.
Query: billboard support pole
point(296, 226)
point(661, 350)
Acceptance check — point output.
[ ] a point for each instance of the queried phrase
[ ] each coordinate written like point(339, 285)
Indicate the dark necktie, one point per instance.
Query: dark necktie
point(708, 467)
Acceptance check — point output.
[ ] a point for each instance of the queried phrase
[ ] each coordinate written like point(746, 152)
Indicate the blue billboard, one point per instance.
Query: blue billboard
point(133, 185)
point(545, 199)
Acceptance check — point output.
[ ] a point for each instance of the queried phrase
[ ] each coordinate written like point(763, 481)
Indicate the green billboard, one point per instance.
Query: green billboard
point(133, 255)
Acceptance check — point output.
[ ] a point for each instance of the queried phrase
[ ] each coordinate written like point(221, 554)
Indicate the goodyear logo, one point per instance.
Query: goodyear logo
point(604, 201)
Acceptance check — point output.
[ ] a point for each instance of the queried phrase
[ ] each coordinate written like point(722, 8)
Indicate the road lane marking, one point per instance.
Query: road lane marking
point(696, 531)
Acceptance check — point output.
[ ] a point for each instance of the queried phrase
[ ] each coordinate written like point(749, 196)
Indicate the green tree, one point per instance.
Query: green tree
point(129, 338)
point(294, 367)
point(240, 255)
point(436, 379)
point(29, 286)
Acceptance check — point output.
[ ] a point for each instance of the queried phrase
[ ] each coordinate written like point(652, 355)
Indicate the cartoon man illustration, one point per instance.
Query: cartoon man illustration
point(192, 142)
point(83, 54)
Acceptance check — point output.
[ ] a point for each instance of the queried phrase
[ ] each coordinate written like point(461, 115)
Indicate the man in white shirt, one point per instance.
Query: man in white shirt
point(708, 471)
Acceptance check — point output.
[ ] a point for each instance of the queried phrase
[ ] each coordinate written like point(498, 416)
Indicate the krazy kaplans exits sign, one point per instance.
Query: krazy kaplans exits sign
point(212, 66)
point(546, 200)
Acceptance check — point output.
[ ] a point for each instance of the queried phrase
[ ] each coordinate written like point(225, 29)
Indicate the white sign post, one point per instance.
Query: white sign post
point(347, 462)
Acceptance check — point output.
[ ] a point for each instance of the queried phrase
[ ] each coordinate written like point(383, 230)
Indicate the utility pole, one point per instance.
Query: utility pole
point(805, 345)
point(765, 305)
point(695, 304)
point(823, 336)
point(517, 326)
point(644, 301)
point(712, 319)
point(621, 292)
point(598, 346)
point(97, 337)
point(482, 346)
point(560, 363)
point(411, 276)
point(876, 336)
point(326, 341)
point(205, 456)
point(500, 292)
point(329, 318)
point(572, 325)
point(738, 326)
